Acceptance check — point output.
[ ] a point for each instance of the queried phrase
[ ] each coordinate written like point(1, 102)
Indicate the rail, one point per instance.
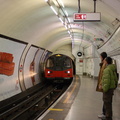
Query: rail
point(34, 105)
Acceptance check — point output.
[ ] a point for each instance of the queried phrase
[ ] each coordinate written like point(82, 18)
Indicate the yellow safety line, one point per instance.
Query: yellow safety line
point(55, 109)
point(69, 95)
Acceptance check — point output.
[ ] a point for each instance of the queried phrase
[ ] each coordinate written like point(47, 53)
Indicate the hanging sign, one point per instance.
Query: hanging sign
point(87, 17)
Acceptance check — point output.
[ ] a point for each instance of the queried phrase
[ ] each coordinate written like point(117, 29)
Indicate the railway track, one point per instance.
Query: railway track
point(31, 107)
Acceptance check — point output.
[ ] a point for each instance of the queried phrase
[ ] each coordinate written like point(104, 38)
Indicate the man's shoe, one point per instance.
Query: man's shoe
point(102, 116)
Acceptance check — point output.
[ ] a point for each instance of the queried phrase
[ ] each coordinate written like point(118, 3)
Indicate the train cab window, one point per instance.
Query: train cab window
point(67, 63)
point(49, 63)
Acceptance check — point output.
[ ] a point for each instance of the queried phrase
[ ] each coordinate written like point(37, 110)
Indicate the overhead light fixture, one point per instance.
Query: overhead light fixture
point(66, 13)
point(69, 26)
point(61, 2)
point(61, 13)
point(70, 36)
point(46, 0)
point(61, 20)
point(69, 32)
point(69, 20)
point(53, 10)
point(66, 27)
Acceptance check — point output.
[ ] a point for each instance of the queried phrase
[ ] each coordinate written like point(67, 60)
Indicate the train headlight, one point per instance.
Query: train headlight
point(68, 71)
point(48, 71)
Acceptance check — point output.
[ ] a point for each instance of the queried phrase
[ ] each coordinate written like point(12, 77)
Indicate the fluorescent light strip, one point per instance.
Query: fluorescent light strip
point(66, 13)
point(61, 3)
point(69, 20)
point(53, 10)
point(61, 20)
point(70, 36)
point(69, 32)
point(66, 27)
point(69, 25)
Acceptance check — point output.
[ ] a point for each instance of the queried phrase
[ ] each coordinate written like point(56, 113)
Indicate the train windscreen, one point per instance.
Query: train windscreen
point(49, 63)
point(67, 63)
point(59, 63)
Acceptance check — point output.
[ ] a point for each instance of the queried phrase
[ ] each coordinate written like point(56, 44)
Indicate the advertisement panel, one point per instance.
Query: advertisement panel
point(10, 53)
point(31, 66)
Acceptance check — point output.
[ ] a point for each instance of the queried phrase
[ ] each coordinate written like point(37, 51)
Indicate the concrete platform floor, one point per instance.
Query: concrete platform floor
point(81, 102)
point(88, 103)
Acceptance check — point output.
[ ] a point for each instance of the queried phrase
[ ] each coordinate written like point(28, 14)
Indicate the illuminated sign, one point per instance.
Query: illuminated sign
point(99, 39)
point(87, 17)
point(80, 16)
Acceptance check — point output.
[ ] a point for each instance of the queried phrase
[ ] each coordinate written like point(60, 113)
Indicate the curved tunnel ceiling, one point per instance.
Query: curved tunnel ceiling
point(34, 21)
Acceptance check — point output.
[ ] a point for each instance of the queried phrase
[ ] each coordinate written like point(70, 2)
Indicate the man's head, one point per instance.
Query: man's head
point(108, 60)
point(103, 55)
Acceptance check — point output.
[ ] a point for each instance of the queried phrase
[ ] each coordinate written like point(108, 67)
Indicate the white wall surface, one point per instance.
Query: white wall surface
point(66, 50)
point(27, 72)
point(92, 61)
point(113, 46)
point(79, 65)
point(9, 85)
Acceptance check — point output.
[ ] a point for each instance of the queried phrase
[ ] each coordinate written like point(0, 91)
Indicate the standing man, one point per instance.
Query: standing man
point(103, 55)
point(109, 82)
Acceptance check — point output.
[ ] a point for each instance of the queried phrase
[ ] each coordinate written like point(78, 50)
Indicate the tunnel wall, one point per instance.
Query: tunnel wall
point(88, 62)
point(66, 50)
point(91, 61)
point(112, 48)
point(20, 66)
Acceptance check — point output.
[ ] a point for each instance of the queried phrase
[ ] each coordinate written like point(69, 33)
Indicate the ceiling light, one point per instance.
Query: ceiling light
point(69, 26)
point(61, 20)
point(53, 10)
point(69, 20)
point(66, 13)
point(61, 2)
point(66, 27)
point(69, 32)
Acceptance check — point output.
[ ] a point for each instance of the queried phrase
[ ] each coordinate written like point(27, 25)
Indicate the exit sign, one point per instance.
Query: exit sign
point(87, 17)
point(80, 16)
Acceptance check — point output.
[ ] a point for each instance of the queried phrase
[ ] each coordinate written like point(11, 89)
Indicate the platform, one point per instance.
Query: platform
point(81, 102)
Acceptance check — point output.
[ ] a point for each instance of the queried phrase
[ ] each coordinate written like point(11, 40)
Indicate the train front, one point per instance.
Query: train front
point(59, 68)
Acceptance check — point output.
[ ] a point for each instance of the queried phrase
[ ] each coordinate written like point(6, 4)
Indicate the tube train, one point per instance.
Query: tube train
point(59, 68)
